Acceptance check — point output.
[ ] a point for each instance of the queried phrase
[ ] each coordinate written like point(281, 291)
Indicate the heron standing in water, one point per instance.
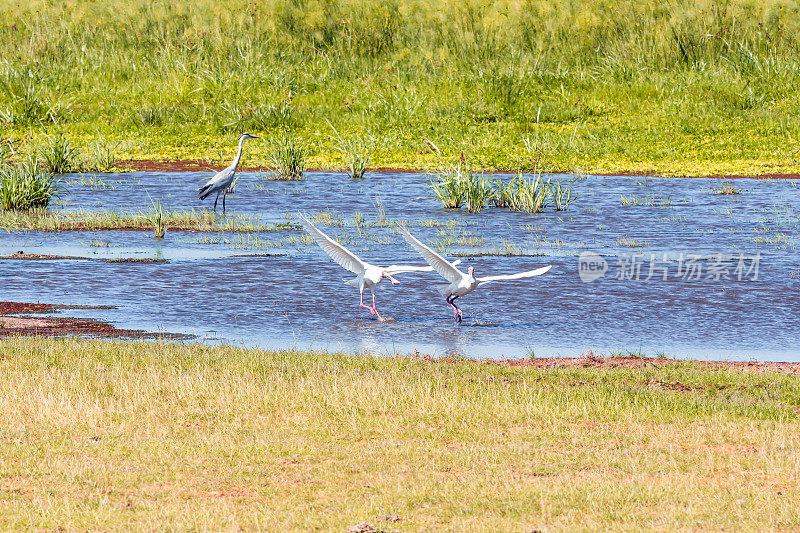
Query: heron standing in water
point(222, 180)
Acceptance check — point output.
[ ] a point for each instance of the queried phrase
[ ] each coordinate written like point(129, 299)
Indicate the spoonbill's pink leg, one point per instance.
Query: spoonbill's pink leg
point(365, 306)
point(455, 309)
point(375, 309)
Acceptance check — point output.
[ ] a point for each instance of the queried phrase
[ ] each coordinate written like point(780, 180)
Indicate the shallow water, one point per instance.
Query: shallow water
point(211, 287)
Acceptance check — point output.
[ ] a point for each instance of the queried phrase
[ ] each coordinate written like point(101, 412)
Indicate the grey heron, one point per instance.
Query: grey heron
point(220, 182)
point(458, 283)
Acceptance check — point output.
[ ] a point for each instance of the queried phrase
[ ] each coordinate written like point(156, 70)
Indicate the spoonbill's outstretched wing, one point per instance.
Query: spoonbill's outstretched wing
point(338, 253)
point(528, 274)
point(399, 269)
point(439, 263)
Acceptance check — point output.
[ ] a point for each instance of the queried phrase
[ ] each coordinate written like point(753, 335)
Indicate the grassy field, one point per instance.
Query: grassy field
point(682, 87)
point(101, 436)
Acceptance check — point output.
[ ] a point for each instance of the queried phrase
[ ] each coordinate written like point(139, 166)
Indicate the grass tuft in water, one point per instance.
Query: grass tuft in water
point(25, 186)
point(533, 194)
point(562, 196)
point(355, 154)
point(60, 156)
point(728, 190)
point(157, 219)
point(288, 156)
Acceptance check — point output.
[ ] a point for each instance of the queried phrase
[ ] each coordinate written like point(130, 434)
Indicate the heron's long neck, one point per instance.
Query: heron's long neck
point(239, 154)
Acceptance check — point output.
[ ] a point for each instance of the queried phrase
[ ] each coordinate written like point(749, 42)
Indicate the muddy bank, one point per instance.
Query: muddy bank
point(19, 256)
point(17, 326)
point(645, 174)
point(39, 257)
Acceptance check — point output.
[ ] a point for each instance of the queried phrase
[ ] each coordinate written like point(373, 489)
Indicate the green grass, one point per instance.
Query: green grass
point(111, 436)
point(693, 88)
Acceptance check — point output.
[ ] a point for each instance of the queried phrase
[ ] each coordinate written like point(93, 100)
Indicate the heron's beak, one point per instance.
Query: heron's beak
point(394, 281)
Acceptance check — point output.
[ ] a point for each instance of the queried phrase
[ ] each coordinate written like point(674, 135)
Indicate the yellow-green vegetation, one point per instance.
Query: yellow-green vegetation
point(118, 436)
point(685, 87)
point(45, 220)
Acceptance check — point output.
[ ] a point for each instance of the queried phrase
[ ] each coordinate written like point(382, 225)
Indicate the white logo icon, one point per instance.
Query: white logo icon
point(591, 266)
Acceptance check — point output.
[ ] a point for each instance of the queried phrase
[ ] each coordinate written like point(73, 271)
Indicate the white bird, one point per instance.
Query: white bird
point(459, 284)
point(220, 182)
point(367, 275)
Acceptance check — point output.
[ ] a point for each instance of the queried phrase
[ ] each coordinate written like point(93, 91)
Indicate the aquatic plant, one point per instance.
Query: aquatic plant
point(356, 159)
point(507, 193)
point(157, 219)
point(456, 184)
point(533, 194)
point(60, 156)
point(479, 192)
point(562, 196)
point(102, 156)
point(355, 153)
point(288, 157)
point(25, 186)
point(449, 190)
point(629, 242)
point(728, 190)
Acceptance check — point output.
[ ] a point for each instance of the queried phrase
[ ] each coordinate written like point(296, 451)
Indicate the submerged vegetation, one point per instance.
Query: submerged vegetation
point(44, 220)
point(688, 88)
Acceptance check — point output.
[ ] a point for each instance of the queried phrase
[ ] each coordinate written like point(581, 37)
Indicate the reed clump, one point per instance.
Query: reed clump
point(59, 155)
point(288, 157)
point(26, 186)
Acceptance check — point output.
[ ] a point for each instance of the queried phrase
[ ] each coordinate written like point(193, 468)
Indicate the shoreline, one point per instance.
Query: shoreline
point(199, 165)
point(12, 325)
point(25, 326)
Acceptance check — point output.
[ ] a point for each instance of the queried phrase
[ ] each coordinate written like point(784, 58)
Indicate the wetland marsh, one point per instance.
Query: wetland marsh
point(691, 272)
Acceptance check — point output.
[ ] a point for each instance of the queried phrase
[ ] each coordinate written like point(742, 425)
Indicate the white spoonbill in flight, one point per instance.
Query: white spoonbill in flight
point(367, 275)
point(459, 284)
point(220, 182)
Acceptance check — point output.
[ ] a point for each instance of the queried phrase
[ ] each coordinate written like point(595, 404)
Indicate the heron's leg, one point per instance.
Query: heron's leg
point(215, 202)
point(224, 195)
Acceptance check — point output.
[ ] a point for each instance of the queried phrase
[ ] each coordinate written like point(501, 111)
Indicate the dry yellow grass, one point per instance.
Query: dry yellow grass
point(107, 436)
